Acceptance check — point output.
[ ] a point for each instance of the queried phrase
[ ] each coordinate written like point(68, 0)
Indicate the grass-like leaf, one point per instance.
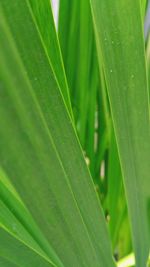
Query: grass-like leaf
point(50, 175)
point(117, 30)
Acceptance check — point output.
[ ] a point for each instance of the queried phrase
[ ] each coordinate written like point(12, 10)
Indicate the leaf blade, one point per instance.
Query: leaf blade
point(41, 133)
point(117, 42)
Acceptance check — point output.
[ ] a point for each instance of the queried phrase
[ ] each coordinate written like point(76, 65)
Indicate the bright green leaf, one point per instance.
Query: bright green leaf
point(120, 42)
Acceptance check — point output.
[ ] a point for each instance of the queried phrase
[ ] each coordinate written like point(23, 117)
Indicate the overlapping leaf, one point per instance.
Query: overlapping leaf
point(120, 42)
point(39, 148)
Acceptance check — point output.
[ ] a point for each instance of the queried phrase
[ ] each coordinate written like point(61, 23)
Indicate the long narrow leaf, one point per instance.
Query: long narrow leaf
point(16, 252)
point(117, 30)
point(43, 15)
point(45, 147)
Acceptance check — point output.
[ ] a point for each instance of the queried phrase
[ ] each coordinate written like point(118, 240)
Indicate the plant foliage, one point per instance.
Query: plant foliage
point(74, 135)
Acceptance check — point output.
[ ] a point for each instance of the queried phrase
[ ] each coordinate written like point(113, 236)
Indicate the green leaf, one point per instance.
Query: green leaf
point(6, 263)
point(114, 189)
point(18, 254)
point(144, 4)
point(120, 42)
point(38, 136)
point(68, 31)
point(44, 17)
point(18, 221)
point(5, 181)
point(78, 47)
